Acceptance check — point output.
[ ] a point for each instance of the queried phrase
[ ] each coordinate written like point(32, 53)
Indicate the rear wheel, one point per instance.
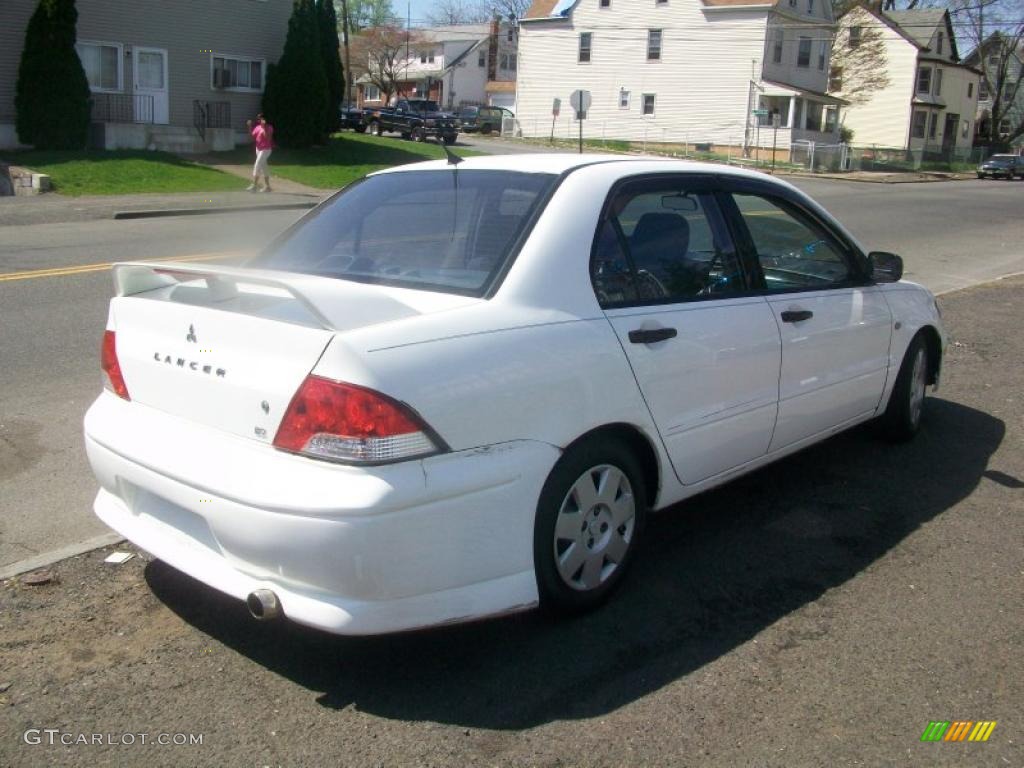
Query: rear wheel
point(485, 128)
point(589, 520)
point(902, 418)
point(418, 134)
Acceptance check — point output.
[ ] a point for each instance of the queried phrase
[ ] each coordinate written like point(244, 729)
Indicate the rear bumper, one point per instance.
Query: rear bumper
point(348, 550)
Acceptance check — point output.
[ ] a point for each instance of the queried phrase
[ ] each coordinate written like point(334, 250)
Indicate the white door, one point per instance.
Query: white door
point(834, 325)
point(704, 351)
point(151, 101)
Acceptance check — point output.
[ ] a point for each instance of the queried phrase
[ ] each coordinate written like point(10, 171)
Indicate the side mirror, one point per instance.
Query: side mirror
point(885, 267)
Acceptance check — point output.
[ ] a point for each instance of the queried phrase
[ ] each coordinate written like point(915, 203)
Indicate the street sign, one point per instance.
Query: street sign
point(580, 101)
point(760, 113)
point(556, 107)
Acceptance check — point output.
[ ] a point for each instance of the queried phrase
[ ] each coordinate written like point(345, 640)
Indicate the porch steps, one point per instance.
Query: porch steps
point(178, 139)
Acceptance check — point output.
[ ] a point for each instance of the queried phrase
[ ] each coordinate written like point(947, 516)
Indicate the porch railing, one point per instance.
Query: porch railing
point(122, 108)
point(210, 114)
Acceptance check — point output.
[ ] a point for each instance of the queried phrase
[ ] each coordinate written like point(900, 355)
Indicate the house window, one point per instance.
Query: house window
point(606, 3)
point(427, 57)
point(982, 91)
point(102, 65)
point(780, 37)
point(661, 2)
point(821, 55)
point(919, 123)
point(924, 80)
point(993, 61)
point(586, 38)
point(854, 37)
point(371, 93)
point(1004, 126)
point(810, 6)
point(835, 79)
point(933, 124)
point(648, 103)
point(653, 44)
point(510, 35)
point(623, 98)
point(792, 3)
point(970, 90)
point(966, 127)
point(938, 81)
point(940, 40)
point(508, 61)
point(481, 58)
point(803, 58)
point(236, 74)
point(831, 119)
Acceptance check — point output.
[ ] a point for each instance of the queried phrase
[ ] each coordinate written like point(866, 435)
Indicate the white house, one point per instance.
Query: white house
point(454, 65)
point(928, 98)
point(674, 71)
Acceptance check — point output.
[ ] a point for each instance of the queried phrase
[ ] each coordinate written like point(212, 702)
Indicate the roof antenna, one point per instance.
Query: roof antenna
point(453, 159)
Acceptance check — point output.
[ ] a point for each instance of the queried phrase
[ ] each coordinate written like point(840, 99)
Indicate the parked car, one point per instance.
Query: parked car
point(417, 119)
point(457, 390)
point(353, 117)
point(483, 119)
point(1002, 166)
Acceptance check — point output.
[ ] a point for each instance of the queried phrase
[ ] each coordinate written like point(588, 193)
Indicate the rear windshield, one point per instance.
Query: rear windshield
point(433, 230)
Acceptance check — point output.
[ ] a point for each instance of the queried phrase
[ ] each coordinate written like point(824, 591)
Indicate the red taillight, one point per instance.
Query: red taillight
point(333, 420)
point(108, 359)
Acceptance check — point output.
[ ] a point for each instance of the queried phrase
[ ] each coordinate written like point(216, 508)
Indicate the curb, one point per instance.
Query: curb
point(56, 555)
point(161, 212)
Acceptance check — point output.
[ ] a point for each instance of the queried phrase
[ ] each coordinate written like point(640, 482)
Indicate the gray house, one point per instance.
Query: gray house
point(178, 75)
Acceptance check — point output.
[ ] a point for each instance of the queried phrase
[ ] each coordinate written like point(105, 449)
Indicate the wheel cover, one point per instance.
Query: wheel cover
point(918, 382)
point(595, 526)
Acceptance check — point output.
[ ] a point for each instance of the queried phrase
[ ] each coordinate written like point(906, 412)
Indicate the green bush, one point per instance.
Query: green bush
point(295, 97)
point(52, 93)
point(331, 59)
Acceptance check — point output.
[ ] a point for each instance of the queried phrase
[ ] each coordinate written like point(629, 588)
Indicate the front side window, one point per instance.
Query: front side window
point(445, 230)
point(792, 251)
point(658, 243)
point(586, 38)
point(918, 125)
point(648, 104)
point(924, 80)
point(653, 44)
point(102, 65)
point(803, 58)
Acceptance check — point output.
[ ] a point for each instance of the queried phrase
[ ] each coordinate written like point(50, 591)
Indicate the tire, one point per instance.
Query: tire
point(449, 140)
point(375, 129)
point(418, 135)
point(590, 518)
point(902, 417)
point(485, 129)
point(981, 175)
point(406, 135)
point(360, 129)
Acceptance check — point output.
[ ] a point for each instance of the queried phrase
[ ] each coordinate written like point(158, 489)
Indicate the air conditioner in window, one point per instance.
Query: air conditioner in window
point(221, 78)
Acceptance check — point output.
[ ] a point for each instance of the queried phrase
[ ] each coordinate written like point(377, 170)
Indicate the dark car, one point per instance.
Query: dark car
point(352, 117)
point(1002, 166)
point(416, 119)
point(483, 119)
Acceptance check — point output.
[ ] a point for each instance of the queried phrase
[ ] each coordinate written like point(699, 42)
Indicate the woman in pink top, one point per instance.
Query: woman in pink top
point(263, 138)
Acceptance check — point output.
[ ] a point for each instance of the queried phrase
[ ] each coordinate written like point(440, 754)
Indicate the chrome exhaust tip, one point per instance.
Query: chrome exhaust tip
point(263, 605)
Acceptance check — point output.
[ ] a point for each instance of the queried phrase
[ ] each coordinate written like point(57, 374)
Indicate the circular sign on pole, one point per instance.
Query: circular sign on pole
point(580, 101)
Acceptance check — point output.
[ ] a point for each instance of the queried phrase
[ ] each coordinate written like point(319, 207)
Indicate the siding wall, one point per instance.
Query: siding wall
point(885, 119)
point(187, 29)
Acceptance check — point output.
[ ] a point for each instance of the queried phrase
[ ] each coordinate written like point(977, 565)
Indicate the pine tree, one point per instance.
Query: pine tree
point(295, 98)
point(331, 58)
point(52, 93)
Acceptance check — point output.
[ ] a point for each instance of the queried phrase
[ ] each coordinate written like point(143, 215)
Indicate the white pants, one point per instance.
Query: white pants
point(262, 157)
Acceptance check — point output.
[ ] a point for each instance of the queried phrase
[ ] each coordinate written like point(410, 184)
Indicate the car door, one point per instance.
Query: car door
point(835, 325)
point(704, 349)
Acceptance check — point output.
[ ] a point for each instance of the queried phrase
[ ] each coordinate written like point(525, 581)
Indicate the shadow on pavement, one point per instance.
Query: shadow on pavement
point(714, 572)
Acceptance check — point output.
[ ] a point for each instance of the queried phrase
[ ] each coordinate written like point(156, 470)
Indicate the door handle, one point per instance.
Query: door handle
point(651, 335)
point(796, 315)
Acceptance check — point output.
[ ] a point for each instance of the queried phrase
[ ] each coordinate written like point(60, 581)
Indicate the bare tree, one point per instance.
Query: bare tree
point(451, 12)
point(511, 10)
point(859, 65)
point(995, 31)
point(384, 51)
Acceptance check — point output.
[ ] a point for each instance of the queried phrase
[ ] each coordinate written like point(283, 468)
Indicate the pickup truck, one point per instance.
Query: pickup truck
point(417, 119)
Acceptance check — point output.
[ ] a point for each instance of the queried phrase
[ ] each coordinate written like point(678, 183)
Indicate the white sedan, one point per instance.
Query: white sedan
point(456, 390)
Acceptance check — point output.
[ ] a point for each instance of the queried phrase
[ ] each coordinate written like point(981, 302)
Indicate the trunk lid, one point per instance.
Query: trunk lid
point(228, 347)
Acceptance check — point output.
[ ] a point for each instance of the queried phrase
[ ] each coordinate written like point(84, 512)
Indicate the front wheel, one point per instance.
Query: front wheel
point(902, 417)
point(449, 140)
point(375, 129)
point(589, 521)
point(418, 134)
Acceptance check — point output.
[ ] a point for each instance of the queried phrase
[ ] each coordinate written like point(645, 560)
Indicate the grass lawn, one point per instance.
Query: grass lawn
point(122, 172)
point(348, 156)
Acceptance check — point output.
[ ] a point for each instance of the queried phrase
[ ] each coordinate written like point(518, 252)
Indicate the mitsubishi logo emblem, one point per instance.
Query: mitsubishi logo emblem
point(191, 334)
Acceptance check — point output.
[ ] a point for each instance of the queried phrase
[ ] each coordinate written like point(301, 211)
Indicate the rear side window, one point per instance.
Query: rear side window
point(793, 252)
point(434, 230)
point(659, 242)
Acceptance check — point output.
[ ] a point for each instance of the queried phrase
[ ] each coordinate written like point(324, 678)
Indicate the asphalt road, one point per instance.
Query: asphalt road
point(820, 612)
point(950, 234)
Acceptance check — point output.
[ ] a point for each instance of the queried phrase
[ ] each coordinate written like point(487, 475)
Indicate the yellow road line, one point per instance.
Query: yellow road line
point(85, 268)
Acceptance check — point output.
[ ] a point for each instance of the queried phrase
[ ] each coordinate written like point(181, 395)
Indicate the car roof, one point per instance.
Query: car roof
point(559, 163)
